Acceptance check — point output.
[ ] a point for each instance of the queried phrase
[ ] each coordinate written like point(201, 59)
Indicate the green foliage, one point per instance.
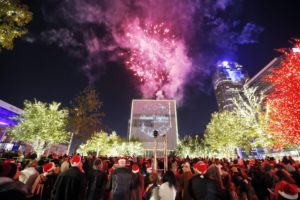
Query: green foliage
point(249, 106)
point(85, 115)
point(223, 133)
point(13, 18)
point(41, 125)
point(245, 126)
point(111, 145)
point(191, 146)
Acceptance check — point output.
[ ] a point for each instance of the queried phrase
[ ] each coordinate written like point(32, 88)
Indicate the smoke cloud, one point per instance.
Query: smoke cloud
point(188, 36)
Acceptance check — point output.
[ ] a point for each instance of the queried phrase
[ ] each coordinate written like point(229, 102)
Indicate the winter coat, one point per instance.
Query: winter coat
point(14, 190)
point(183, 182)
point(70, 185)
point(203, 188)
point(138, 187)
point(97, 180)
point(121, 183)
point(43, 185)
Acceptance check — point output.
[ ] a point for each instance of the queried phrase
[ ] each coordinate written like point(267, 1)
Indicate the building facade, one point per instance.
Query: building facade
point(228, 81)
point(258, 81)
point(7, 113)
point(150, 115)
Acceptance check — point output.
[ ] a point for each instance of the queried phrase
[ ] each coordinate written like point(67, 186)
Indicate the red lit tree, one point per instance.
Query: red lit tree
point(284, 100)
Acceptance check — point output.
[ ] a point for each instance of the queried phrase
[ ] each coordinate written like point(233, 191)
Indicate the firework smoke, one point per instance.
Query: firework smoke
point(163, 42)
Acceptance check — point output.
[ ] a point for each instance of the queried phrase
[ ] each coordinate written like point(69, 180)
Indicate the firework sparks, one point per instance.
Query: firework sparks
point(156, 56)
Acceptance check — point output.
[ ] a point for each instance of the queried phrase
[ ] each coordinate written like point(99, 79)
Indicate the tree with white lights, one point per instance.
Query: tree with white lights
point(191, 146)
point(41, 125)
point(249, 107)
point(13, 16)
point(112, 144)
point(223, 133)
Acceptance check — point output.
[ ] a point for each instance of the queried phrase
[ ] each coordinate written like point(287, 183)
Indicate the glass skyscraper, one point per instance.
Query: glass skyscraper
point(228, 81)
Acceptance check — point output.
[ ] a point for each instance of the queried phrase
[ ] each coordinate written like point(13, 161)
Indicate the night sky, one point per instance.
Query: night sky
point(47, 72)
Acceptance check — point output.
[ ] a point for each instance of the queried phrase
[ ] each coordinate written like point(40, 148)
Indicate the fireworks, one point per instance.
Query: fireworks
point(157, 57)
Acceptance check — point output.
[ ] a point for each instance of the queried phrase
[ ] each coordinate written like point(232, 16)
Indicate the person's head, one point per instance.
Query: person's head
point(9, 170)
point(200, 168)
point(153, 177)
point(186, 167)
point(97, 164)
point(76, 162)
point(213, 173)
point(170, 178)
point(135, 168)
point(48, 168)
point(33, 163)
point(122, 162)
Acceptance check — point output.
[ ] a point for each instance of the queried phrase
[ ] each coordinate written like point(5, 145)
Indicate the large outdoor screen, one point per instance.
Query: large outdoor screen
point(150, 115)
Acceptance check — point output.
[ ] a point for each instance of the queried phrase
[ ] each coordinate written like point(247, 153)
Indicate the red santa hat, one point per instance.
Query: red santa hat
point(135, 168)
point(287, 190)
point(201, 167)
point(48, 167)
point(149, 167)
point(75, 160)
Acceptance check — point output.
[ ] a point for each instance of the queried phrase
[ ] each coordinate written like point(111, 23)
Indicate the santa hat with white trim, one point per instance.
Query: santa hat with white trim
point(75, 161)
point(287, 190)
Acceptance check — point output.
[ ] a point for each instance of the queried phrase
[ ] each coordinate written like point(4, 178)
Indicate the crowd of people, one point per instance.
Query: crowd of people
point(135, 178)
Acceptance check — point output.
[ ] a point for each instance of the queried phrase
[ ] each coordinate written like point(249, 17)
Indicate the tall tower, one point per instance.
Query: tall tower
point(228, 81)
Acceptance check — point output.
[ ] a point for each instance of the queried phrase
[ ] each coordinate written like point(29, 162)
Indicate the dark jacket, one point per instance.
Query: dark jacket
point(121, 183)
point(70, 185)
point(97, 180)
point(203, 188)
point(14, 190)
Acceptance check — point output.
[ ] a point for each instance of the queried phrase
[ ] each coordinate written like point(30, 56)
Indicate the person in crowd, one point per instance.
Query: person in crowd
point(148, 170)
point(121, 181)
point(42, 187)
point(167, 190)
point(138, 183)
point(29, 174)
point(10, 187)
point(71, 184)
point(153, 183)
point(97, 180)
point(65, 165)
point(184, 180)
point(201, 187)
point(213, 173)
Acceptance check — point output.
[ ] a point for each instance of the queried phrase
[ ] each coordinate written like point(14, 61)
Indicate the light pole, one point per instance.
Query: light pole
point(165, 152)
point(155, 134)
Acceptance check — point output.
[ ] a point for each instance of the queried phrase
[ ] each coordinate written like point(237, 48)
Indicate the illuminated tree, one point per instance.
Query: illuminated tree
point(111, 145)
point(249, 108)
point(13, 18)
point(190, 146)
point(284, 100)
point(41, 125)
point(224, 133)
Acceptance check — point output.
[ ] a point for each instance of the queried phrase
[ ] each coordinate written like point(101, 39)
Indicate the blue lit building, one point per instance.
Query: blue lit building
point(7, 112)
point(228, 81)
